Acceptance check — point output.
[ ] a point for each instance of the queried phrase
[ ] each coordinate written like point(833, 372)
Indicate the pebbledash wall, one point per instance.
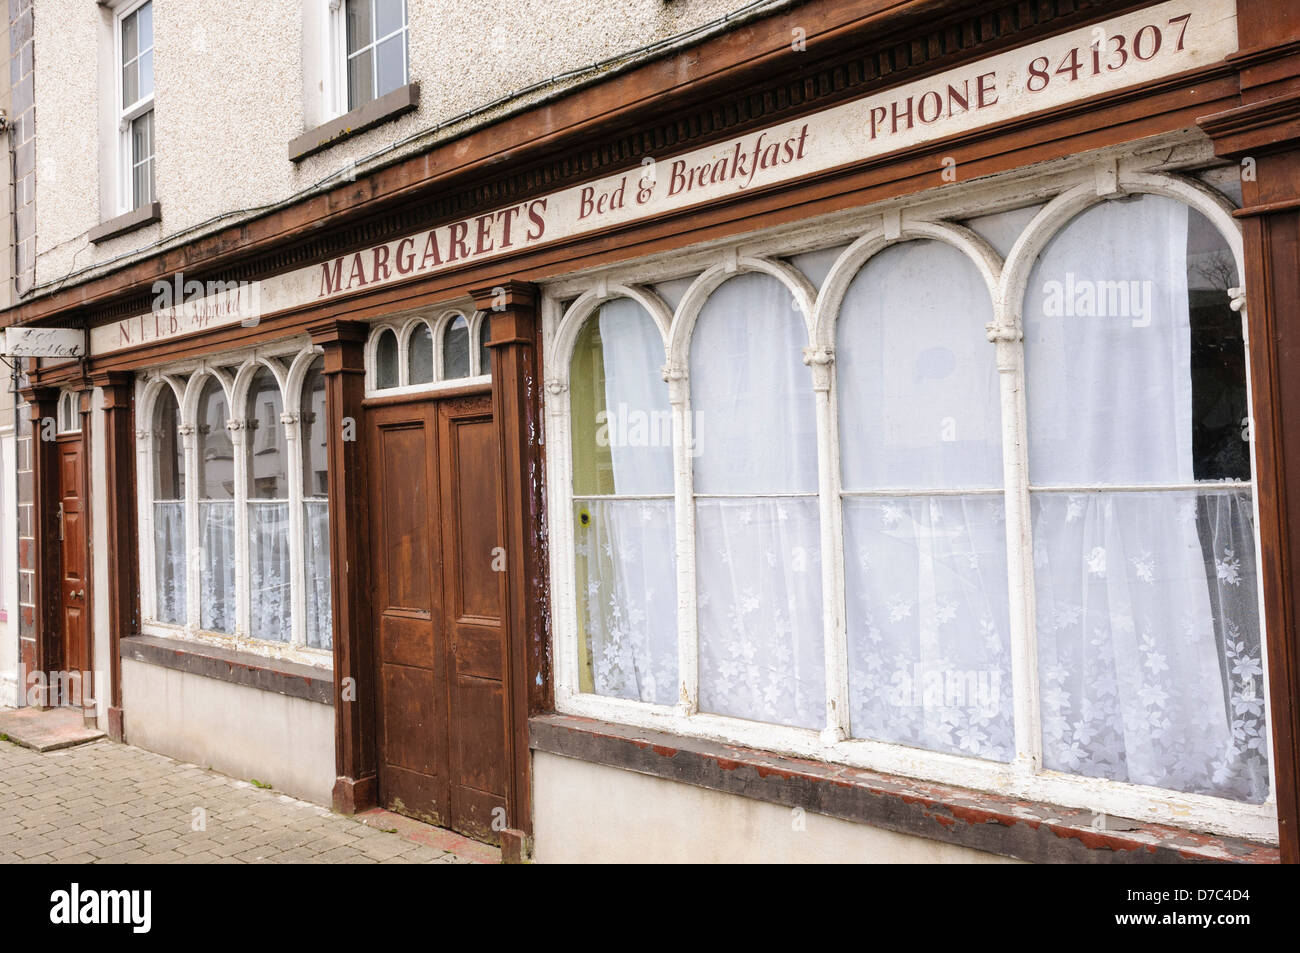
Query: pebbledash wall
point(741, 495)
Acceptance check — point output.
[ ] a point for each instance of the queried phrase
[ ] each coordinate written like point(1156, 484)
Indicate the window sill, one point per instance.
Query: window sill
point(1025, 830)
point(126, 222)
point(374, 113)
point(239, 668)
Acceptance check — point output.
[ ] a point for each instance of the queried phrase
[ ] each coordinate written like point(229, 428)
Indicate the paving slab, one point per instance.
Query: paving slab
point(47, 730)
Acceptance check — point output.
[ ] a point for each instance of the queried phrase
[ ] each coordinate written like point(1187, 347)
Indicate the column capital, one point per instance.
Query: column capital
point(508, 295)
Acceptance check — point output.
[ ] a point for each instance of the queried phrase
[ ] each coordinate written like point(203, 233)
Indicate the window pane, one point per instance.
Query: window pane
point(361, 79)
point(455, 349)
point(390, 60)
point(145, 71)
point(142, 159)
point(484, 352)
point(758, 559)
point(268, 446)
point(168, 449)
point(130, 51)
point(750, 390)
point(314, 431)
point(216, 452)
point(390, 15)
point(358, 24)
point(919, 399)
point(621, 421)
point(316, 528)
point(269, 571)
point(419, 355)
point(928, 629)
point(1149, 652)
point(217, 575)
point(144, 16)
point(386, 360)
point(627, 599)
point(169, 561)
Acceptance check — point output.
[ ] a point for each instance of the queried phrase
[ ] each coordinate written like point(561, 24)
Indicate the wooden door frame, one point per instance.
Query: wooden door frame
point(47, 548)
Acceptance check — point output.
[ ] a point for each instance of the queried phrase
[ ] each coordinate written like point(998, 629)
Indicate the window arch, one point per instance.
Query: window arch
point(623, 506)
point(167, 451)
point(923, 520)
point(216, 508)
point(69, 412)
point(386, 359)
point(419, 354)
point(266, 455)
point(454, 349)
point(484, 337)
point(313, 434)
point(1142, 509)
point(760, 624)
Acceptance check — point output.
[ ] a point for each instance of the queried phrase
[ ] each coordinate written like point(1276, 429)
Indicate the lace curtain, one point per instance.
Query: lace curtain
point(1150, 661)
point(217, 573)
point(169, 561)
point(316, 526)
point(624, 548)
point(758, 554)
point(269, 573)
point(925, 572)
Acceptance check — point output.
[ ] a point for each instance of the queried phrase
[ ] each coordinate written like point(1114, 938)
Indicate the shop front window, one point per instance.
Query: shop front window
point(428, 350)
point(257, 507)
point(972, 502)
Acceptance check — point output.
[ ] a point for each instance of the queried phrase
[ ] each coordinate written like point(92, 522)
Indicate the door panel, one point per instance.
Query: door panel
point(439, 590)
point(73, 561)
point(411, 672)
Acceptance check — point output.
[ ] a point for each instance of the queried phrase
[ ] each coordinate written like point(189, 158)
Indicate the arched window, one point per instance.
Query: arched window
point(758, 551)
point(386, 369)
point(69, 413)
point(216, 505)
point(455, 348)
point(314, 435)
point(1146, 592)
point(168, 452)
point(484, 336)
point(924, 528)
point(622, 441)
point(267, 469)
point(419, 355)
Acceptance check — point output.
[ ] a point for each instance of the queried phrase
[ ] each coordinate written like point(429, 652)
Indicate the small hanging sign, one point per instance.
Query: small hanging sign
point(44, 342)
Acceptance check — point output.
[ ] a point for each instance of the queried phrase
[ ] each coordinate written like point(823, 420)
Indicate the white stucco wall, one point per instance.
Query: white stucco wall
point(239, 731)
point(590, 813)
point(235, 82)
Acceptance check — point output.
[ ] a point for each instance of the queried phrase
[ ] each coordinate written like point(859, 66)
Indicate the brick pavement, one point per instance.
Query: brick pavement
point(109, 803)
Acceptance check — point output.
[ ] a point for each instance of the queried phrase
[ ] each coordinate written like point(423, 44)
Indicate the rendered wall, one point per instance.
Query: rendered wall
point(590, 813)
point(239, 731)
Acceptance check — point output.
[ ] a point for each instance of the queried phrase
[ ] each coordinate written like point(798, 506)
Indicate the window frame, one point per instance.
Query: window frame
point(404, 328)
point(289, 362)
point(127, 114)
point(1068, 188)
point(339, 55)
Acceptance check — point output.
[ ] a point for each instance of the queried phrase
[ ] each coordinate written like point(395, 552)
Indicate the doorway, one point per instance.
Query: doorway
point(439, 591)
point(72, 682)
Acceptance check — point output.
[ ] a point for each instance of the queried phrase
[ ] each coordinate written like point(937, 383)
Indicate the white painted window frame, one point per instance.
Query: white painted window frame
point(128, 114)
point(1068, 187)
point(289, 362)
point(339, 50)
point(69, 412)
point(404, 327)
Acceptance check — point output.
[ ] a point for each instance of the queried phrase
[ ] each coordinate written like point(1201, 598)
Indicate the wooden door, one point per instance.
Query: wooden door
point(438, 590)
point(73, 563)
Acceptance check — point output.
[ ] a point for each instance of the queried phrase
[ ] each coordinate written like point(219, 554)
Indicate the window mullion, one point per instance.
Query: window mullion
point(292, 422)
point(830, 510)
point(239, 429)
point(194, 560)
point(688, 657)
point(1006, 335)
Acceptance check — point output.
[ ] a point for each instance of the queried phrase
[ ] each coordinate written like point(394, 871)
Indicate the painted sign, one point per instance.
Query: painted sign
point(1122, 52)
point(45, 342)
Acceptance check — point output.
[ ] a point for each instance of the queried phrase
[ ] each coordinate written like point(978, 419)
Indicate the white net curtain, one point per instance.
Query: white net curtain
point(1144, 584)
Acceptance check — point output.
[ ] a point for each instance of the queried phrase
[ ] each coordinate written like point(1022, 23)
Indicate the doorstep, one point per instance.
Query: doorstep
point(996, 824)
point(46, 729)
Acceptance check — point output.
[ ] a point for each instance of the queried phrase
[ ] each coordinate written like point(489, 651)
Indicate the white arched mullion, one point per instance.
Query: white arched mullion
point(440, 327)
point(371, 355)
point(588, 304)
point(146, 495)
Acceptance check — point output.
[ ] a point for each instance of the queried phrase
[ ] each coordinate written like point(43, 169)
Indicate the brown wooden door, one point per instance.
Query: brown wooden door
point(439, 590)
point(73, 568)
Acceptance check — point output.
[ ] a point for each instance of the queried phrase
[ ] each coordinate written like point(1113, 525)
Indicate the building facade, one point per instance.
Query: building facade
point(691, 431)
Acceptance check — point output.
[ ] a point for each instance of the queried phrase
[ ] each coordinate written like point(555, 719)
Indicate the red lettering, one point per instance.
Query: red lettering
point(456, 247)
point(329, 282)
point(431, 251)
point(357, 274)
point(381, 269)
point(483, 243)
point(405, 260)
point(506, 221)
point(983, 87)
point(534, 215)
